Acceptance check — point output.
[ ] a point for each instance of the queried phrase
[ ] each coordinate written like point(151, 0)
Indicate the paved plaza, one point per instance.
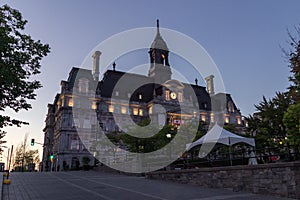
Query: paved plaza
point(106, 186)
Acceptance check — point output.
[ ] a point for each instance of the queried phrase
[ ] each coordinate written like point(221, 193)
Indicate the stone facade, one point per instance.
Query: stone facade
point(86, 104)
point(279, 179)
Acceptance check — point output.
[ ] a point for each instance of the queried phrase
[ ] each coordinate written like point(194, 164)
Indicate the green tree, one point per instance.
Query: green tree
point(24, 156)
point(291, 120)
point(20, 58)
point(291, 116)
point(231, 128)
point(202, 130)
point(279, 117)
point(267, 123)
point(2, 134)
point(157, 141)
point(293, 55)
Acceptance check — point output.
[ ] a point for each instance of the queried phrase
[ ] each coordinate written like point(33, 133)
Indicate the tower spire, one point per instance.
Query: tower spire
point(159, 58)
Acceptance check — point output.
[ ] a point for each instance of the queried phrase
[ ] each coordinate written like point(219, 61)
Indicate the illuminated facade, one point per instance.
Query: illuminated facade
point(99, 103)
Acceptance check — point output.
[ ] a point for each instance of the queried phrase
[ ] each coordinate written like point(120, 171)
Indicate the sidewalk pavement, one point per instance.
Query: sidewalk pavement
point(92, 185)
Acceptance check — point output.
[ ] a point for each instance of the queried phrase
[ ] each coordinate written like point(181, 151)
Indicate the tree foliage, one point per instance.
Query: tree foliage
point(20, 58)
point(278, 119)
point(162, 137)
point(291, 120)
point(24, 156)
point(293, 55)
point(231, 128)
point(2, 134)
point(267, 123)
point(157, 141)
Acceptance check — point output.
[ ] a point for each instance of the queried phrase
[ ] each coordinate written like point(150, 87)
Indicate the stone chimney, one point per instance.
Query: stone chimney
point(210, 84)
point(96, 63)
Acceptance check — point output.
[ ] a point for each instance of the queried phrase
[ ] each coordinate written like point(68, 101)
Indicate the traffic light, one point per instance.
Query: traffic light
point(51, 157)
point(32, 142)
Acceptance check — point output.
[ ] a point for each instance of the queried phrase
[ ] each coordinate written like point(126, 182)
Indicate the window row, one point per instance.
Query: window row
point(125, 110)
point(227, 119)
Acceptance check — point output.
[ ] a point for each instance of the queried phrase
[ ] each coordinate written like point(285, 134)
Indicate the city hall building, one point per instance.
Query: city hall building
point(100, 102)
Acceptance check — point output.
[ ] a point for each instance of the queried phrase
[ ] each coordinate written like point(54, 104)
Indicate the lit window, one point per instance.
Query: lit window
point(167, 95)
point(230, 107)
point(150, 110)
point(195, 114)
point(226, 119)
point(212, 118)
point(135, 111)
point(239, 121)
point(180, 97)
point(70, 103)
point(110, 108)
point(140, 96)
point(63, 102)
point(203, 118)
point(140, 112)
point(94, 105)
point(123, 110)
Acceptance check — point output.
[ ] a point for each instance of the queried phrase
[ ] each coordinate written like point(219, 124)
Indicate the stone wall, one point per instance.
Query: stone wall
point(279, 179)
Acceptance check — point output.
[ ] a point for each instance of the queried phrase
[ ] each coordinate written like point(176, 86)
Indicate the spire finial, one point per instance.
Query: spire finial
point(196, 81)
point(157, 23)
point(114, 66)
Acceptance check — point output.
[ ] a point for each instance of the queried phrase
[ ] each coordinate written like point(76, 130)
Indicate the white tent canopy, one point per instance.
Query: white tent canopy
point(219, 135)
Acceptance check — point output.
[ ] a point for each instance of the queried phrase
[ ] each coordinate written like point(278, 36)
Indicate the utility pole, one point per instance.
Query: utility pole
point(7, 160)
point(23, 155)
point(12, 148)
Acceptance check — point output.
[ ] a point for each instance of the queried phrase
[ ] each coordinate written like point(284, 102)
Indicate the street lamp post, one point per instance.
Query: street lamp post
point(169, 136)
point(49, 152)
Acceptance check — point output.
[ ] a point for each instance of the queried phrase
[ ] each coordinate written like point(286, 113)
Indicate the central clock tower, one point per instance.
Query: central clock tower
point(159, 59)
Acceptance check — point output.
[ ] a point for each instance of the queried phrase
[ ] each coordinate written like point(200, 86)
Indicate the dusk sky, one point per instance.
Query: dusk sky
point(242, 37)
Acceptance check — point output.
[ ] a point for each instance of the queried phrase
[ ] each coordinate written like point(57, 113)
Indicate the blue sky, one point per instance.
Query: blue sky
point(242, 37)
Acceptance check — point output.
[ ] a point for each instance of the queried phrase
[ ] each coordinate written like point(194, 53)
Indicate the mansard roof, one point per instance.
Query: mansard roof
point(107, 85)
point(77, 73)
point(228, 99)
point(203, 97)
point(128, 80)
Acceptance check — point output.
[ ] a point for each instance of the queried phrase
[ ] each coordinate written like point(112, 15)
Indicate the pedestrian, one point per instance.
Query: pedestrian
point(252, 158)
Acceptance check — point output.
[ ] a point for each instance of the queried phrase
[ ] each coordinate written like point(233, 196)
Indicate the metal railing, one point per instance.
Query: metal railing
point(238, 157)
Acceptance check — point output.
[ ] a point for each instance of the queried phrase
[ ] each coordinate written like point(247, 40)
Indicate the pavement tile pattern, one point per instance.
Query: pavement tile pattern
point(95, 185)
